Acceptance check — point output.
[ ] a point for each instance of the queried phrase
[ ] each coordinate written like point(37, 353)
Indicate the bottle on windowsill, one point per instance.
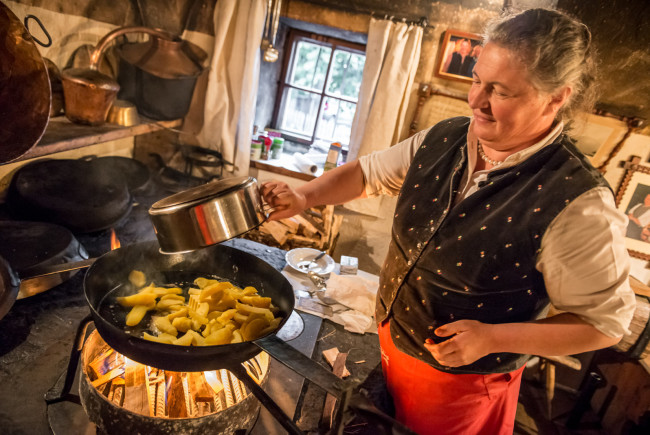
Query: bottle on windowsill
point(332, 156)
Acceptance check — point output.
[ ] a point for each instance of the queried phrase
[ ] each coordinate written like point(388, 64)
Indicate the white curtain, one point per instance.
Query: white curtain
point(232, 82)
point(392, 57)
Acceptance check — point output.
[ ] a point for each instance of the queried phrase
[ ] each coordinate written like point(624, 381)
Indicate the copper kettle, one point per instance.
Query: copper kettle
point(89, 93)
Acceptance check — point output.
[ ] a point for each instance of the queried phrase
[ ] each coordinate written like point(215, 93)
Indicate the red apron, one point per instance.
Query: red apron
point(429, 401)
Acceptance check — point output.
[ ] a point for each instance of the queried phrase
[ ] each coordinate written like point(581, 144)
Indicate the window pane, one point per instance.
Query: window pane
point(298, 112)
point(346, 73)
point(335, 121)
point(309, 66)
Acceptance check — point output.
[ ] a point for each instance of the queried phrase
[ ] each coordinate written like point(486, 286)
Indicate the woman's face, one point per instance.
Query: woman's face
point(509, 113)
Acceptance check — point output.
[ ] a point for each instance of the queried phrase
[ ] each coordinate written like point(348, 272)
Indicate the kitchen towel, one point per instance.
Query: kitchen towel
point(304, 164)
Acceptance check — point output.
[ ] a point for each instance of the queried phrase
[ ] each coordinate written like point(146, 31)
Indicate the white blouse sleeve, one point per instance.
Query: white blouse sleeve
point(384, 171)
point(585, 263)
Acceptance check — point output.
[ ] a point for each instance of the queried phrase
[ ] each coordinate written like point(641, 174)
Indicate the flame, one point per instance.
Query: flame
point(115, 243)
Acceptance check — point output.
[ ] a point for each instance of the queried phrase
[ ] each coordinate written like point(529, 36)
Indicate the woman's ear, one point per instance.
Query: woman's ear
point(559, 98)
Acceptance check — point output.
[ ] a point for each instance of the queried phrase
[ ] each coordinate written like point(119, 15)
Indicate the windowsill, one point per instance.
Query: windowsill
point(287, 165)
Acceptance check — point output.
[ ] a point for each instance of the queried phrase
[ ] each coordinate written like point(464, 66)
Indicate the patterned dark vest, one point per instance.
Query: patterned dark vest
point(475, 260)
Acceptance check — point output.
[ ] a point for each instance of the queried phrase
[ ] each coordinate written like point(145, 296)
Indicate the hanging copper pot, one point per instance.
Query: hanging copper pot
point(25, 93)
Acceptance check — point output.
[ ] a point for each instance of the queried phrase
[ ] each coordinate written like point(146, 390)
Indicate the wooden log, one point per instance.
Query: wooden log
point(105, 362)
point(291, 223)
point(299, 241)
point(336, 227)
point(175, 393)
point(201, 389)
point(136, 397)
point(310, 223)
point(278, 231)
point(330, 401)
point(107, 377)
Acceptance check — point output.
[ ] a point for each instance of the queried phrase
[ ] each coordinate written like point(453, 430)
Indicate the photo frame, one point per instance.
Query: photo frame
point(457, 55)
point(633, 199)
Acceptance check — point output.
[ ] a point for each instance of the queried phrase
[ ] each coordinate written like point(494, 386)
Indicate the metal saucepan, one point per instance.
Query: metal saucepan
point(207, 214)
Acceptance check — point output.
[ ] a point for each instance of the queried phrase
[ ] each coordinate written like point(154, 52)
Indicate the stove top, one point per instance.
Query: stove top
point(36, 337)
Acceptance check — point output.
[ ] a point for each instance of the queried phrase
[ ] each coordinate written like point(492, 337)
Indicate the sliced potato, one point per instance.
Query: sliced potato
point(164, 325)
point(162, 338)
point(184, 340)
point(137, 314)
point(182, 324)
point(137, 278)
point(137, 299)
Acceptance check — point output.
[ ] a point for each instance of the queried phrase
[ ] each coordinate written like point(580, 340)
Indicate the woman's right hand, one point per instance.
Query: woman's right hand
point(286, 201)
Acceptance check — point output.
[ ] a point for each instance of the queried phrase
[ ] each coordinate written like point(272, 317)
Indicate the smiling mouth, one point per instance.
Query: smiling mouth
point(483, 118)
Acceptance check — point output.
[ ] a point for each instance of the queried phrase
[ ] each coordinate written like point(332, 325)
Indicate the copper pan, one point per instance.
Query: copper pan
point(25, 94)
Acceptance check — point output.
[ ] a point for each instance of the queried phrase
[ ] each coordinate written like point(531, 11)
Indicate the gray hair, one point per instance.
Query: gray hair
point(556, 50)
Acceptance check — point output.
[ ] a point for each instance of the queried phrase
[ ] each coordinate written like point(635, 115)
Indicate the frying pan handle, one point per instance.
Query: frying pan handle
point(282, 418)
point(304, 366)
point(38, 271)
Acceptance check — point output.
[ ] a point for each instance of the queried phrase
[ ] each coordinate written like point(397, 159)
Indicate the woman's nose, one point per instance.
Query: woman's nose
point(477, 98)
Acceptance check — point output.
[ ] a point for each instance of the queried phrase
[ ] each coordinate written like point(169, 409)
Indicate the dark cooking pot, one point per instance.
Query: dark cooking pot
point(159, 75)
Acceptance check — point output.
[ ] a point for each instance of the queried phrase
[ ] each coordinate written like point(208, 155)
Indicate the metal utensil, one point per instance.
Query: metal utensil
point(270, 52)
point(321, 286)
point(307, 266)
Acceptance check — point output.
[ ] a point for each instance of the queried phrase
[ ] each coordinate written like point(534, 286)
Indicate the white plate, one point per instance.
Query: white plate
point(301, 259)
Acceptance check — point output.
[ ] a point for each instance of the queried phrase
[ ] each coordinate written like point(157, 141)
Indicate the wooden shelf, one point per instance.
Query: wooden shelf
point(63, 135)
point(260, 165)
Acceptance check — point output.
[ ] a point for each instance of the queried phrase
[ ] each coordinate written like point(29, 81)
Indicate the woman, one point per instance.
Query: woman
point(497, 215)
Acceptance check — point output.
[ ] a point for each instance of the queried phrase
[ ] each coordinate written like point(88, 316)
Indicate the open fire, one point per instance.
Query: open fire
point(150, 392)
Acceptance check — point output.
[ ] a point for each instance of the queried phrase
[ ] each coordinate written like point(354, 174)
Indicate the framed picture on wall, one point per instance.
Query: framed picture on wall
point(597, 136)
point(633, 199)
point(457, 55)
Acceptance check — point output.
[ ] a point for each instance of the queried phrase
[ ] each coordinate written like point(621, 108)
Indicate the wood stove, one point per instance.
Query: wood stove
point(116, 392)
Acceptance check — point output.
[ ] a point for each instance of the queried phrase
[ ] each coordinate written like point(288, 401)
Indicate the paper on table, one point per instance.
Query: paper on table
point(352, 320)
point(353, 291)
point(304, 164)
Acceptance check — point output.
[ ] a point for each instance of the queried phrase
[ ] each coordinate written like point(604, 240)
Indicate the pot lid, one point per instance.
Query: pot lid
point(71, 193)
point(169, 59)
point(25, 94)
point(201, 193)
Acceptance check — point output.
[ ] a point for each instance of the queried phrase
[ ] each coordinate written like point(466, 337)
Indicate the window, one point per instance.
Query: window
point(318, 95)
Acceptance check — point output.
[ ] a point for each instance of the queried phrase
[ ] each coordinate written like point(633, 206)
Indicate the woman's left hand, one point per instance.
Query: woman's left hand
point(470, 340)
